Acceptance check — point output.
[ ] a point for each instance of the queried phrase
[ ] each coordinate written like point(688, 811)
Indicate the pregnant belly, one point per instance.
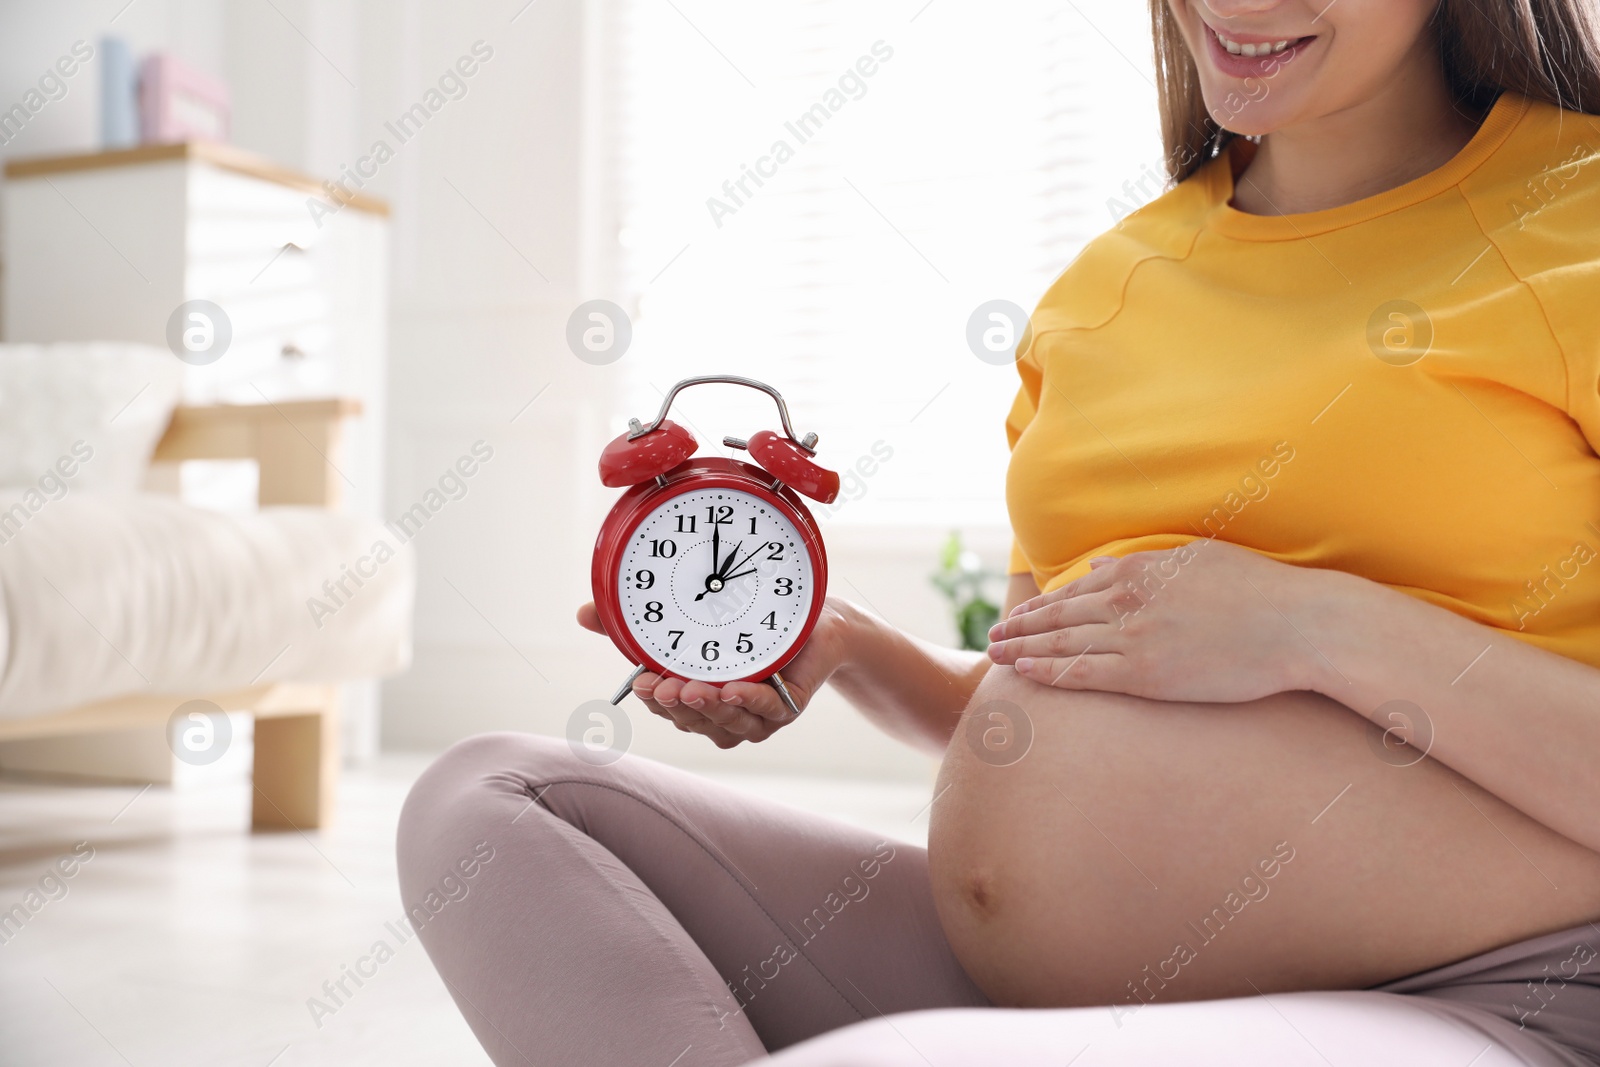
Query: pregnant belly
point(1143, 851)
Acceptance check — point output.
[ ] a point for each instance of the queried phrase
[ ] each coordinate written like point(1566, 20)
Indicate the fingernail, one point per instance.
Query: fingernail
point(994, 652)
point(1024, 665)
point(1100, 561)
point(1018, 610)
point(732, 698)
point(994, 631)
point(695, 704)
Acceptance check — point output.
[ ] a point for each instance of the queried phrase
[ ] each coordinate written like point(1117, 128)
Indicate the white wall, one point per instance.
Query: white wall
point(497, 233)
point(34, 35)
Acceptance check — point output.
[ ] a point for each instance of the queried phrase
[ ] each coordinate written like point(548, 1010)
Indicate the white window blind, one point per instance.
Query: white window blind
point(970, 164)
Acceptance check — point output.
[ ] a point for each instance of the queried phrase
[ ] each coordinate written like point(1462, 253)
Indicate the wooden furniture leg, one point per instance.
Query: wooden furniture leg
point(296, 769)
point(296, 742)
point(297, 446)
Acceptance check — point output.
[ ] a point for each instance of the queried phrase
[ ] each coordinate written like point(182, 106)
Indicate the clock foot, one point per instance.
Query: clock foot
point(627, 686)
point(783, 691)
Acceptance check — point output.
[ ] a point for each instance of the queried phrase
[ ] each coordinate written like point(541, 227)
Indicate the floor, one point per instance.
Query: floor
point(181, 939)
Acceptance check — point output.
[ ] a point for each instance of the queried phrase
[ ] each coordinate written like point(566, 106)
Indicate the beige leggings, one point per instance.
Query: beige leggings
point(636, 915)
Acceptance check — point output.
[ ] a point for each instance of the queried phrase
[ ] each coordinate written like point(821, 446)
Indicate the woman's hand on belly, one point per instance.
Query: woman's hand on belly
point(1207, 621)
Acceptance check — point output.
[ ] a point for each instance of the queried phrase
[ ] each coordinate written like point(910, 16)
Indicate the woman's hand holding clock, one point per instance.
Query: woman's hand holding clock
point(707, 633)
point(741, 711)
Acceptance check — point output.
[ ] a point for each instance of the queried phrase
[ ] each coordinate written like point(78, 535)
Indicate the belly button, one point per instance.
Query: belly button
point(980, 894)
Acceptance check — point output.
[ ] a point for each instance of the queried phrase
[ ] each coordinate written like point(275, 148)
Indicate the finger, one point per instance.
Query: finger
point(693, 717)
point(735, 720)
point(644, 686)
point(656, 707)
point(670, 714)
point(1096, 580)
point(667, 701)
point(1073, 641)
point(689, 719)
point(760, 704)
point(759, 729)
point(762, 730)
point(706, 699)
point(1105, 671)
point(589, 618)
point(762, 700)
point(699, 695)
point(667, 691)
point(1056, 615)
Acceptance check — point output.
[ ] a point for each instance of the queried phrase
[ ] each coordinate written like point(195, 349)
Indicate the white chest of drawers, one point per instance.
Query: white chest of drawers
point(107, 246)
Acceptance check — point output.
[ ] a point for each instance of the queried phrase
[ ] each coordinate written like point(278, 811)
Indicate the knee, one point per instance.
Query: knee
point(485, 759)
point(504, 749)
point(481, 781)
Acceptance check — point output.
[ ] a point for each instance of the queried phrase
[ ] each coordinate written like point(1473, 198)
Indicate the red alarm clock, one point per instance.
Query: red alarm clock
point(711, 569)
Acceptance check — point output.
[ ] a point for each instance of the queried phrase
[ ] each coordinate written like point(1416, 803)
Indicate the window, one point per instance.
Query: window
point(819, 194)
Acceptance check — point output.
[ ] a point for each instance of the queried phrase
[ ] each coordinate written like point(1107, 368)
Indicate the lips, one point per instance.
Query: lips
point(1251, 55)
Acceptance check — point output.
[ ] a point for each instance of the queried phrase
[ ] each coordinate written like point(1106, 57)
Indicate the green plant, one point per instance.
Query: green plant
point(965, 582)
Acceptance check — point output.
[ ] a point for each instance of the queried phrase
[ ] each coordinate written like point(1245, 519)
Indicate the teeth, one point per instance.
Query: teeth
point(1252, 50)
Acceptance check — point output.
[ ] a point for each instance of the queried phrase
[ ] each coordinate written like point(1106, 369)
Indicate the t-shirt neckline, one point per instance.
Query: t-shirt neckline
point(1230, 221)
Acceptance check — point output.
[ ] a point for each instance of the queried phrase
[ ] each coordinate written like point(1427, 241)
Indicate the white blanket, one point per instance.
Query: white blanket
point(105, 596)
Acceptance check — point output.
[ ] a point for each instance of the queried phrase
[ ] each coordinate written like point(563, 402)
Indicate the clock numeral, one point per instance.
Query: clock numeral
point(768, 553)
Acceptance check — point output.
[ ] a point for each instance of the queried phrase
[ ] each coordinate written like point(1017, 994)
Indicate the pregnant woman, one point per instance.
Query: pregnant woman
point(1287, 750)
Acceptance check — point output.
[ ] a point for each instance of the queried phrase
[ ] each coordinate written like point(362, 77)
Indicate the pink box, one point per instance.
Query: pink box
point(180, 103)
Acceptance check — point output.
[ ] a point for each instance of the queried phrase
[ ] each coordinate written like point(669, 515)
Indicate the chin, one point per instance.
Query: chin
point(1255, 119)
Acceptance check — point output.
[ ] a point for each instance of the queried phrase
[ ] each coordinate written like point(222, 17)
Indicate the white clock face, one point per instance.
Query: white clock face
point(715, 584)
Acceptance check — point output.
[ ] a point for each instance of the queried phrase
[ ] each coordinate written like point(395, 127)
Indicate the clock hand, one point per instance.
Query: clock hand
point(726, 578)
point(716, 575)
point(716, 547)
point(747, 559)
point(727, 564)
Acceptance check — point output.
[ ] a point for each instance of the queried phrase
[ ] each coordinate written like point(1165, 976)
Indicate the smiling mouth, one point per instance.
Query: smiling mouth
point(1234, 58)
point(1253, 49)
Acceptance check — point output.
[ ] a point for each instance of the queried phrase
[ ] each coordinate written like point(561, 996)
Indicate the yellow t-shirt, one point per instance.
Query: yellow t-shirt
point(1406, 388)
